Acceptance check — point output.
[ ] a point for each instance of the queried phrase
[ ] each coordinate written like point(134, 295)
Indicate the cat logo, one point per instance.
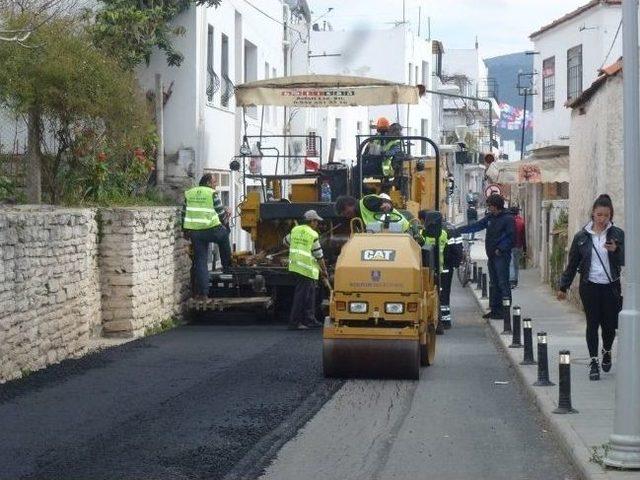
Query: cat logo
point(378, 255)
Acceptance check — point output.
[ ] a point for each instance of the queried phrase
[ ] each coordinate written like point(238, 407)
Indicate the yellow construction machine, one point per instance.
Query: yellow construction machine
point(384, 306)
point(384, 302)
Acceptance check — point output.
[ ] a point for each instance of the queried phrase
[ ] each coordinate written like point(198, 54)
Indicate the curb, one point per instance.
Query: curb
point(567, 438)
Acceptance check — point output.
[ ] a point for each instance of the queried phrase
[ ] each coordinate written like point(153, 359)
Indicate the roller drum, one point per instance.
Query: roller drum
point(369, 358)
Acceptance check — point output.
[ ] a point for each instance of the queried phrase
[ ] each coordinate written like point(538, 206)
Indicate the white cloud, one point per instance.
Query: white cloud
point(502, 26)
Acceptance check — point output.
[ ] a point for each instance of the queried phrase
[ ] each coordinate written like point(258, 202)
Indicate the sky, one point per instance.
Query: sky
point(502, 26)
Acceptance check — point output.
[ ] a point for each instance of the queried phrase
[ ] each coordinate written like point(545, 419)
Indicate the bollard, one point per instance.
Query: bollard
point(506, 316)
point(564, 395)
point(484, 285)
point(474, 277)
point(515, 340)
point(527, 333)
point(543, 362)
point(479, 279)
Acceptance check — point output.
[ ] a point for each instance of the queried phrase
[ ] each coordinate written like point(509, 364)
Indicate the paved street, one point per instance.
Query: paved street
point(213, 401)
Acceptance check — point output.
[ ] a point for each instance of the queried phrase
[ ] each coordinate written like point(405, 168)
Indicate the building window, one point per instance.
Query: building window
point(410, 75)
point(425, 74)
point(574, 72)
point(424, 132)
point(338, 133)
point(222, 182)
point(359, 128)
point(417, 78)
point(251, 70)
point(548, 83)
point(213, 82)
point(227, 85)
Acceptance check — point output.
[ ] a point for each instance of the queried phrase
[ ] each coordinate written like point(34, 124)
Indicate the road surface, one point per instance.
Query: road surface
point(246, 401)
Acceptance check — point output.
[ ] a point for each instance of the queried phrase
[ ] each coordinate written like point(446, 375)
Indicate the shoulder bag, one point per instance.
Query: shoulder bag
point(616, 288)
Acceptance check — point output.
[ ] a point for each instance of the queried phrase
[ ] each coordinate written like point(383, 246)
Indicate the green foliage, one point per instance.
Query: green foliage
point(163, 326)
point(599, 453)
point(131, 29)
point(97, 134)
point(559, 248)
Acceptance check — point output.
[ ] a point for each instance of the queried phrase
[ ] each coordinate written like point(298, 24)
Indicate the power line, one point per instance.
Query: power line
point(612, 44)
point(263, 12)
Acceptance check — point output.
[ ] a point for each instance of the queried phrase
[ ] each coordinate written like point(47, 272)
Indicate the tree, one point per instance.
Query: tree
point(34, 14)
point(131, 29)
point(81, 106)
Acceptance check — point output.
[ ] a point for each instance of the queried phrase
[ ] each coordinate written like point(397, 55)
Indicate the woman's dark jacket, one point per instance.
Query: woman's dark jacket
point(580, 257)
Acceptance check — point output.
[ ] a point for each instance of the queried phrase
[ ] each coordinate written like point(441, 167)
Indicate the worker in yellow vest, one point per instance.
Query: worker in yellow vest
point(205, 221)
point(369, 209)
point(306, 262)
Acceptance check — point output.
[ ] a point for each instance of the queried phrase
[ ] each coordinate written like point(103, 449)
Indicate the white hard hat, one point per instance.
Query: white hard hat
point(312, 215)
point(385, 196)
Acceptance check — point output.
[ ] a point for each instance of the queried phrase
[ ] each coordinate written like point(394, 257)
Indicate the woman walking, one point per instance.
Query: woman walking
point(597, 252)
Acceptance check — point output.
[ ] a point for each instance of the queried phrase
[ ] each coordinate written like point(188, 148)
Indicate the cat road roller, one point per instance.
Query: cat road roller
point(384, 306)
point(383, 311)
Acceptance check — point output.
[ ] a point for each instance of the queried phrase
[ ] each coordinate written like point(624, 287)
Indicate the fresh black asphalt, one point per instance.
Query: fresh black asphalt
point(213, 401)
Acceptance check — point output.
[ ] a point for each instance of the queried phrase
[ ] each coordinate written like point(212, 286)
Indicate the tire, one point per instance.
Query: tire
point(464, 274)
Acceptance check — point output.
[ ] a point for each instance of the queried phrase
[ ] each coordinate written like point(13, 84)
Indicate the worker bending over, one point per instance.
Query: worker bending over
point(204, 221)
point(307, 263)
point(370, 209)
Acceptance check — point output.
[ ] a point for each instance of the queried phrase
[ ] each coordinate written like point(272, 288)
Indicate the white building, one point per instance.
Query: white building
point(466, 72)
point(568, 54)
point(235, 43)
point(397, 55)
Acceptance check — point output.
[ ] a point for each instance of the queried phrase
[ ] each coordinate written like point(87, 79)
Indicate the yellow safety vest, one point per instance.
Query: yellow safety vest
point(369, 217)
point(387, 167)
point(442, 243)
point(200, 214)
point(301, 259)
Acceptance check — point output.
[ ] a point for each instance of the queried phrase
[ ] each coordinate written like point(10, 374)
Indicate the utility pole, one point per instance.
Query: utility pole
point(160, 128)
point(625, 439)
point(525, 89)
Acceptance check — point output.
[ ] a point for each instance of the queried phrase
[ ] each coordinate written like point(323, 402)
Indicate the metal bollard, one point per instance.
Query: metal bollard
point(515, 340)
point(506, 316)
point(543, 362)
point(527, 333)
point(564, 395)
point(484, 285)
point(474, 277)
point(479, 279)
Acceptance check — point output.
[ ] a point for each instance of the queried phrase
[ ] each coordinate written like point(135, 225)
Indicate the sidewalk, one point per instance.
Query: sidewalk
point(577, 433)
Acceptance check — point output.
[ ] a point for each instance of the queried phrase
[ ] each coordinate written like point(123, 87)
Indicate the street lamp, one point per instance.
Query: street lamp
point(625, 439)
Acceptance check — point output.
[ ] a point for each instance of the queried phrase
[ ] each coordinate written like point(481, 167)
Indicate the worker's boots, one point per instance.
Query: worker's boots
point(445, 316)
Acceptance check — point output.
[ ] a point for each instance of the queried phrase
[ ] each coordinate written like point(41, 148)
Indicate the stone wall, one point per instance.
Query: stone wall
point(67, 275)
point(145, 268)
point(49, 286)
point(596, 161)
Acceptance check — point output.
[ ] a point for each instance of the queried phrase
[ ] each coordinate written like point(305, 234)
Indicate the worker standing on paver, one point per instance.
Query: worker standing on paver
point(307, 263)
point(498, 244)
point(204, 220)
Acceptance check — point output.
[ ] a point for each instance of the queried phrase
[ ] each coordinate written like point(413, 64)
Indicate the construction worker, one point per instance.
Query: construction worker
point(369, 209)
point(204, 221)
point(306, 262)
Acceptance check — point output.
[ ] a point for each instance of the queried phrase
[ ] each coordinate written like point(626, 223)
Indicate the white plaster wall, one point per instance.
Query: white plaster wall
point(596, 155)
point(383, 54)
point(552, 126)
point(180, 113)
